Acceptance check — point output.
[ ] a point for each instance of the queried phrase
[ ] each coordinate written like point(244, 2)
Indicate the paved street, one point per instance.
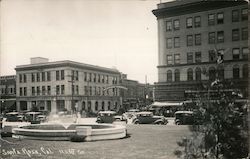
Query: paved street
point(143, 141)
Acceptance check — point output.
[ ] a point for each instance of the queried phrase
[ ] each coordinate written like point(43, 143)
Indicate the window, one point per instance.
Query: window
point(212, 73)
point(73, 89)
point(177, 24)
point(169, 43)
point(20, 78)
point(245, 53)
point(99, 78)
point(211, 37)
point(236, 53)
point(57, 75)
point(77, 89)
point(168, 25)
point(103, 105)
point(244, 14)
point(48, 76)
point(245, 71)
point(197, 21)
point(235, 35)
point(24, 78)
point(38, 77)
point(176, 42)
point(177, 58)
point(198, 74)
point(169, 76)
point(236, 71)
point(169, 60)
point(33, 91)
point(43, 90)
point(96, 106)
point(107, 79)
point(32, 77)
point(190, 74)
point(211, 19)
point(25, 91)
point(189, 22)
point(189, 40)
point(85, 76)
point(220, 36)
point(189, 57)
point(220, 55)
point(76, 75)
point(90, 90)
point(62, 74)
point(48, 90)
point(62, 89)
point(197, 57)
point(220, 18)
point(38, 90)
point(244, 33)
point(212, 56)
point(21, 91)
point(197, 39)
point(57, 89)
point(94, 78)
point(235, 15)
point(90, 77)
point(176, 75)
point(43, 76)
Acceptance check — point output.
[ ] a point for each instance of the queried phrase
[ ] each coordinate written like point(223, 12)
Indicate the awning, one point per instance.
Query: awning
point(166, 104)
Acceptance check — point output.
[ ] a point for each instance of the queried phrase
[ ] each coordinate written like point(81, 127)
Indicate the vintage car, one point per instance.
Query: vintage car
point(12, 117)
point(131, 113)
point(109, 117)
point(184, 118)
point(149, 118)
point(32, 117)
point(41, 118)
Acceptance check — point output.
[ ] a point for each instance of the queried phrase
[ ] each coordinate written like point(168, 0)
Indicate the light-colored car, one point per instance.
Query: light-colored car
point(109, 117)
point(149, 118)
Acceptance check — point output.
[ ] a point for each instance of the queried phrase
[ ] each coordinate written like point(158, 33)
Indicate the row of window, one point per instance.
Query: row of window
point(176, 60)
point(6, 91)
point(196, 74)
point(213, 18)
point(213, 37)
point(195, 57)
point(60, 75)
point(94, 90)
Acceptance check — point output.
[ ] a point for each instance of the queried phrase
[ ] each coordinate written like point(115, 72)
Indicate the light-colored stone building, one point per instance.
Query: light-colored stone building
point(198, 42)
point(66, 85)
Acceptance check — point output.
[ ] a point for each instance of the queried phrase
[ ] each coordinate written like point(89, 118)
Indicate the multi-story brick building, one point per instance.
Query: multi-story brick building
point(8, 93)
point(198, 42)
point(66, 85)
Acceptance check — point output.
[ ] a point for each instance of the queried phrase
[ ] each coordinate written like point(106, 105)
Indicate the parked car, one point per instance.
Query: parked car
point(149, 118)
point(32, 117)
point(12, 116)
point(131, 113)
point(184, 118)
point(41, 118)
point(109, 117)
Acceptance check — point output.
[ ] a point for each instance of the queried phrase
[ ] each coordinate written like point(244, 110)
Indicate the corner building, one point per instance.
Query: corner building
point(66, 85)
point(194, 36)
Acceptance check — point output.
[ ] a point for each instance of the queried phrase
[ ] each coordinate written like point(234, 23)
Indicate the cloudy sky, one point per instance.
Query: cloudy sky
point(109, 33)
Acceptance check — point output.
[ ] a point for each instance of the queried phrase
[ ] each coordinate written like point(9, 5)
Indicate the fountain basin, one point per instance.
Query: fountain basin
point(57, 132)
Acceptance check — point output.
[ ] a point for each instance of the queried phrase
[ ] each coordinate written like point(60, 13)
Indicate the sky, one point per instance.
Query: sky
point(108, 33)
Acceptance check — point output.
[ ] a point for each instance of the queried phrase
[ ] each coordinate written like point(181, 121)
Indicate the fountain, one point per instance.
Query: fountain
point(53, 131)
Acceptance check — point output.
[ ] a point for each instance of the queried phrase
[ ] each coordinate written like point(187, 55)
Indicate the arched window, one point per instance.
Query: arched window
point(176, 75)
point(236, 71)
point(109, 104)
point(96, 105)
point(245, 71)
point(83, 105)
point(190, 74)
point(221, 72)
point(89, 105)
point(169, 76)
point(198, 74)
point(212, 73)
point(103, 105)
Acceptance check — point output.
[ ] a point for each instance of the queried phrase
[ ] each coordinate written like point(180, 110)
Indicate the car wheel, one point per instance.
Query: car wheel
point(160, 123)
point(178, 123)
point(136, 122)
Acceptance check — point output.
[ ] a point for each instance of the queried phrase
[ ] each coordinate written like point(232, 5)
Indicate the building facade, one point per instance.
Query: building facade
point(8, 93)
point(200, 41)
point(136, 95)
point(66, 85)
